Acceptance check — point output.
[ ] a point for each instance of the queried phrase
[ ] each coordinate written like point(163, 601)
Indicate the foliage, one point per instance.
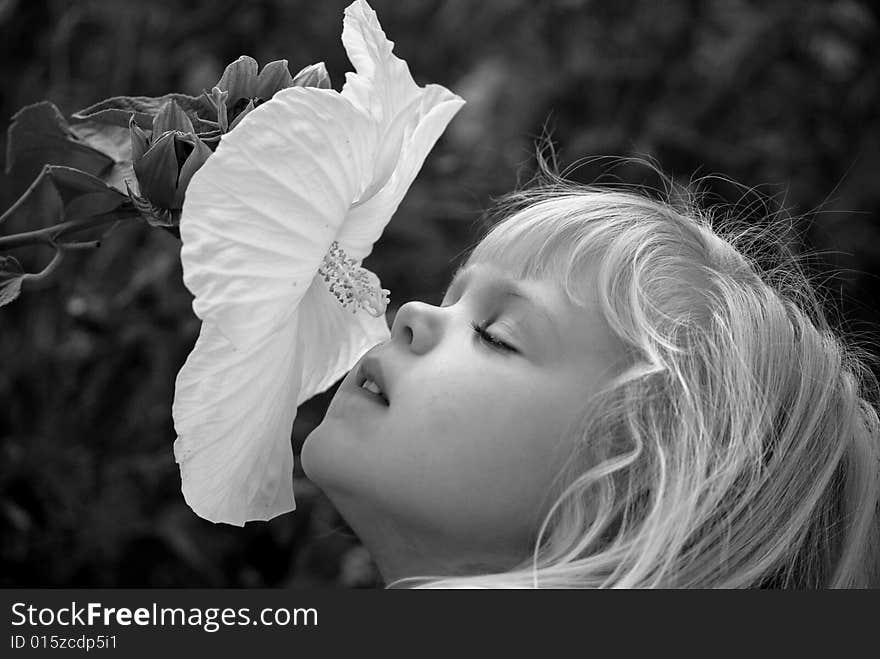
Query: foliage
point(769, 94)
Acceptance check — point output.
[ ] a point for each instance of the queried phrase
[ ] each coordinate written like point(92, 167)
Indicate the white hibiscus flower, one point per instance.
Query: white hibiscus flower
point(274, 228)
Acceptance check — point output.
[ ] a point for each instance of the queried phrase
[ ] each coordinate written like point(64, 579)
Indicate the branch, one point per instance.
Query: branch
point(48, 270)
point(49, 235)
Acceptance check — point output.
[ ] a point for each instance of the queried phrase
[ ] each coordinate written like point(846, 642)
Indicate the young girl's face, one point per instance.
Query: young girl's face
point(461, 458)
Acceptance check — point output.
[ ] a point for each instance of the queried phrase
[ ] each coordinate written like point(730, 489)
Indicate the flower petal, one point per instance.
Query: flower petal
point(303, 169)
point(331, 339)
point(261, 213)
point(410, 118)
point(233, 412)
point(382, 83)
point(368, 218)
point(234, 409)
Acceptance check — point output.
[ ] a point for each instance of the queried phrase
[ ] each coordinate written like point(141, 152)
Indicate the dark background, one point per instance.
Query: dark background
point(782, 97)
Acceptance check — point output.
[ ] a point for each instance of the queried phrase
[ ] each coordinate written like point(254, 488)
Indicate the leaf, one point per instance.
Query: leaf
point(39, 135)
point(211, 138)
point(194, 161)
point(157, 172)
point(157, 217)
point(11, 275)
point(118, 110)
point(61, 194)
point(217, 99)
point(274, 77)
point(139, 145)
point(113, 141)
point(314, 75)
point(91, 204)
point(239, 79)
point(74, 186)
point(171, 117)
point(242, 114)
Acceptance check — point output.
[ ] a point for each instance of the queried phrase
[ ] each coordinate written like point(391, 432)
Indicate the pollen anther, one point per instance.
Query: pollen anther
point(353, 286)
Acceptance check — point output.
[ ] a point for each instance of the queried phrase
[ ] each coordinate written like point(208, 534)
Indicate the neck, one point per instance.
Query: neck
point(400, 550)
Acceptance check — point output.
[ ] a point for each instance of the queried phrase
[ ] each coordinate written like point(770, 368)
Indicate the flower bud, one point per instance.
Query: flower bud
point(242, 89)
point(165, 163)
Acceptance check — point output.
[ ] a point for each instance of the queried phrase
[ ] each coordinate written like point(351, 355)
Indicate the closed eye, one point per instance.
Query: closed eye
point(490, 339)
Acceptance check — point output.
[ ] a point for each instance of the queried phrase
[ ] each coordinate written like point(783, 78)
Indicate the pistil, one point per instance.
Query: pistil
point(353, 286)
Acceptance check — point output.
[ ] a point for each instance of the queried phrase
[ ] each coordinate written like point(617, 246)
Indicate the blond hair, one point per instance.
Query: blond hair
point(740, 445)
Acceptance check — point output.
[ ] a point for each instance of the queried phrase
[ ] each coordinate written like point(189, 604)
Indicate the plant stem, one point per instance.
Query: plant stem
point(49, 236)
point(48, 270)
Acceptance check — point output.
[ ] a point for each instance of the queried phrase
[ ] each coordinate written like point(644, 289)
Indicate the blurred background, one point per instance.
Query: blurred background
point(781, 97)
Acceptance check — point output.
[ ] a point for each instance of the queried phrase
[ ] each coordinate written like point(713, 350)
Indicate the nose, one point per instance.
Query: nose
point(417, 326)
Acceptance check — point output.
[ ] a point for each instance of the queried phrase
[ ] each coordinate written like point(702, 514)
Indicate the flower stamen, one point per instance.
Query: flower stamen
point(353, 286)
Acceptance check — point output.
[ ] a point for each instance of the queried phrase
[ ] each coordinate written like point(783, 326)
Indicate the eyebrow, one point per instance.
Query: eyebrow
point(461, 274)
point(506, 287)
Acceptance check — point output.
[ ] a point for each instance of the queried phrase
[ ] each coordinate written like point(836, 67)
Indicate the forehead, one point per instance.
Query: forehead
point(541, 291)
point(515, 280)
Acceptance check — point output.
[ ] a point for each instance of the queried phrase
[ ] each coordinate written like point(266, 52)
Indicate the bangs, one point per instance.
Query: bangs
point(551, 237)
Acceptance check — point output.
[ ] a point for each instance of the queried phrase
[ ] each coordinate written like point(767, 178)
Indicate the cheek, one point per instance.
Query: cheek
point(437, 429)
point(474, 455)
point(408, 451)
point(459, 411)
point(480, 458)
point(526, 440)
point(512, 465)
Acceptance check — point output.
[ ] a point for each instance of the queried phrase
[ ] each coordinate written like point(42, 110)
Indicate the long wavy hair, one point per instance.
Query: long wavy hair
point(738, 447)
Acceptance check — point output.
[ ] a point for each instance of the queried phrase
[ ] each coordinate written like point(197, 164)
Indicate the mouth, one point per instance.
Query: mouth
point(371, 380)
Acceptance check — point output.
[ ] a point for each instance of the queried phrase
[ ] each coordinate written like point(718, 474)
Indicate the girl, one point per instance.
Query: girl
point(611, 394)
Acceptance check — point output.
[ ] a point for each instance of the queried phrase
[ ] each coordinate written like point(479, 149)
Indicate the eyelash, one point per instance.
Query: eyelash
point(488, 338)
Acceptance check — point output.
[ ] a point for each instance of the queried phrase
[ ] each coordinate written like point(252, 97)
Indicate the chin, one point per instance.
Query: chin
point(323, 457)
point(310, 456)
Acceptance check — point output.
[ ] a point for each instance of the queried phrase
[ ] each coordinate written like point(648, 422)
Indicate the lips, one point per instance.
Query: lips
point(372, 379)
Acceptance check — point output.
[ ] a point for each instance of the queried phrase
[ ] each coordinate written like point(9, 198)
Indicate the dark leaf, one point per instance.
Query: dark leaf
point(157, 217)
point(212, 139)
point(217, 99)
point(171, 117)
point(91, 204)
point(274, 77)
point(241, 115)
point(73, 185)
point(39, 135)
point(113, 141)
point(118, 110)
point(157, 172)
point(61, 194)
point(239, 79)
point(313, 75)
point(11, 274)
point(195, 160)
point(139, 145)
point(38, 207)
